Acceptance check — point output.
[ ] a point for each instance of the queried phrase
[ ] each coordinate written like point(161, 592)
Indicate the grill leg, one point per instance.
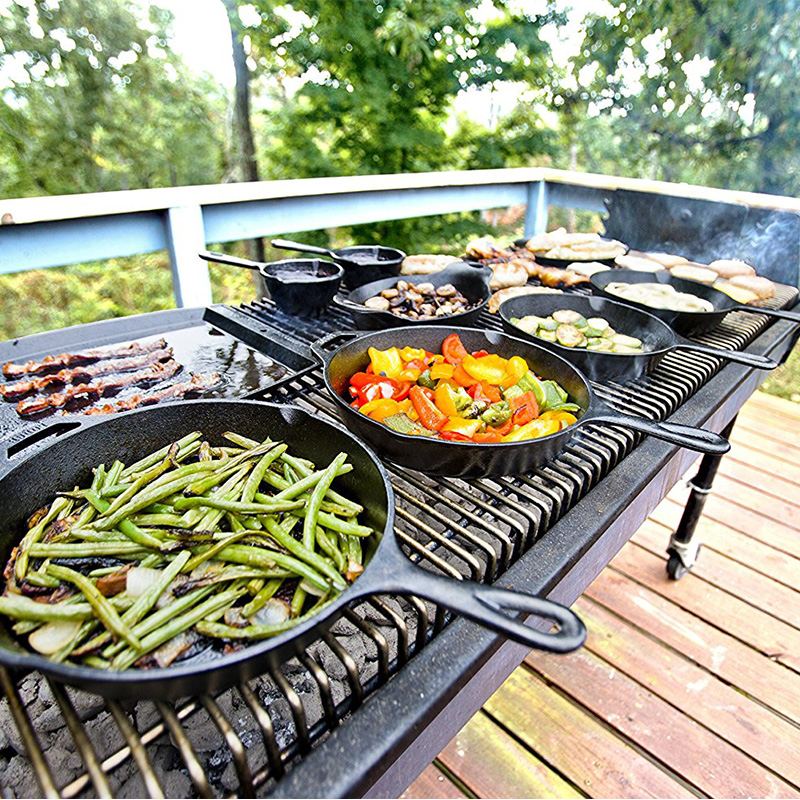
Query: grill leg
point(682, 549)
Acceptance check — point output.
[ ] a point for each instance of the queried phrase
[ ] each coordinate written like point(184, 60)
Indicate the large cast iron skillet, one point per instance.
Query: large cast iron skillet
point(657, 337)
point(472, 282)
point(27, 483)
point(685, 322)
point(439, 457)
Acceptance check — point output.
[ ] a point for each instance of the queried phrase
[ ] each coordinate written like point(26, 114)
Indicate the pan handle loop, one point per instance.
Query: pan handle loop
point(494, 608)
point(736, 356)
point(320, 347)
point(697, 439)
point(791, 316)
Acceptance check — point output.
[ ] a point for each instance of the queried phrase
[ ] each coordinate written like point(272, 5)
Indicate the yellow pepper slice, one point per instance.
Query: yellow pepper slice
point(443, 370)
point(409, 375)
point(534, 429)
point(564, 418)
point(412, 354)
point(491, 368)
point(444, 398)
point(466, 427)
point(381, 408)
point(516, 367)
point(386, 362)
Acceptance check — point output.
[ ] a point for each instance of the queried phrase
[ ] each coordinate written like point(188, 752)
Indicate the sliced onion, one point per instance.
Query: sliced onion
point(310, 588)
point(273, 612)
point(140, 579)
point(177, 645)
point(52, 636)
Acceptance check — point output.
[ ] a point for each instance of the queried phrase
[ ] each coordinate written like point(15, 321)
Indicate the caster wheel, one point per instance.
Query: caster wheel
point(675, 568)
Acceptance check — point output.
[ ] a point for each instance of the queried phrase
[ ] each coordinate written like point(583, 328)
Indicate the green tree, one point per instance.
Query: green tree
point(703, 89)
point(96, 101)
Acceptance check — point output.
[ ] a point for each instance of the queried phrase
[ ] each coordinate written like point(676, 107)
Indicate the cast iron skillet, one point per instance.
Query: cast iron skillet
point(466, 459)
point(26, 483)
point(563, 263)
point(361, 263)
point(657, 337)
point(472, 282)
point(685, 322)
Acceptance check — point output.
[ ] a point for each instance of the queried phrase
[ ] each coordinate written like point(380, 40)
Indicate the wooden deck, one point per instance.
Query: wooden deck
point(683, 689)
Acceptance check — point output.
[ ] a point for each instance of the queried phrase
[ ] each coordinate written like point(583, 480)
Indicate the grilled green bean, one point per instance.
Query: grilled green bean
point(21, 607)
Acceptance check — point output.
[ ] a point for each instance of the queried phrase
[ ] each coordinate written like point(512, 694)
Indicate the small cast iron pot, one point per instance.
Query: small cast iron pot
point(472, 282)
point(684, 322)
point(467, 459)
point(657, 337)
point(28, 482)
point(361, 263)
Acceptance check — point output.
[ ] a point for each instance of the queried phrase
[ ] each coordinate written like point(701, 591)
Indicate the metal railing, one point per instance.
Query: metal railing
point(42, 232)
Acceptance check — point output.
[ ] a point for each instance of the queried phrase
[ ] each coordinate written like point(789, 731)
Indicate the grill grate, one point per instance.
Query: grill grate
point(63, 741)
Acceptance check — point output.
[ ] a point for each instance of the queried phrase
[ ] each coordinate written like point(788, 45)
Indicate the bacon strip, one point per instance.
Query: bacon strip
point(12, 370)
point(11, 391)
point(98, 388)
point(197, 383)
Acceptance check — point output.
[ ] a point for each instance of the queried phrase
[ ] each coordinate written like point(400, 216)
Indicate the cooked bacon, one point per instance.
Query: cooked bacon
point(48, 363)
point(197, 383)
point(556, 277)
point(11, 391)
point(98, 388)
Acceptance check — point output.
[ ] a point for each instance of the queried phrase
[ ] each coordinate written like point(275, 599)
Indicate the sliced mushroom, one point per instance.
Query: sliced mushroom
point(377, 303)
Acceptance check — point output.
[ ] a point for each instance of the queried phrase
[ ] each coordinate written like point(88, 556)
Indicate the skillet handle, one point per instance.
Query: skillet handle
point(792, 316)
point(494, 608)
point(697, 439)
point(10, 449)
point(736, 356)
point(231, 261)
point(319, 347)
point(347, 305)
point(299, 247)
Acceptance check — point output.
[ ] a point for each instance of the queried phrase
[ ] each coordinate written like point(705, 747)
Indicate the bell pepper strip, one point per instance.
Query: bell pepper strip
point(461, 377)
point(445, 399)
point(383, 407)
point(466, 427)
point(524, 408)
point(530, 383)
point(515, 369)
point(374, 387)
point(453, 350)
point(489, 368)
point(487, 437)
point(413, 354)
point(453, 436)
point(479, 353)
point(564, 418)
point(442, 371)
point(386, 362)
point(497, 414)
point(485, 391)
point(402, 423)
point(535, 429)
point(429, 415)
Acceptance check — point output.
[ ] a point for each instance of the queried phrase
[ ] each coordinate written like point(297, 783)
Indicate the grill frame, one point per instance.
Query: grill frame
point(394, 739)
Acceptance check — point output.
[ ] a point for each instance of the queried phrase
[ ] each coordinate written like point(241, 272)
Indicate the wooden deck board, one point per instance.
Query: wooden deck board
point(684, 689)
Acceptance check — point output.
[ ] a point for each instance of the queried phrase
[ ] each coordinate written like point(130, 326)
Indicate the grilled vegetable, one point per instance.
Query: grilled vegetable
point(218, 544)
point(571, 329)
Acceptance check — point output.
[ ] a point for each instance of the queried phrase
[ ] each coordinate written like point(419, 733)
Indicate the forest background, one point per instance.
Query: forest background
point(95, 97)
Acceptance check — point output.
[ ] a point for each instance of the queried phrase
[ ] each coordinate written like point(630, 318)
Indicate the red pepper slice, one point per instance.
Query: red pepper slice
point(504, 428)
point(366, 387)
point(428, 414)
point(452, 436)
point(479, 353)
point(453, 350)
point(484, 391)
point(489, 437)
point(524, 408)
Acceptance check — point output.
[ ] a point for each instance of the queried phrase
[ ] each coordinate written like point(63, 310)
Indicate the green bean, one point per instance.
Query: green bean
point(103, 609)
point(228, 491)
point(174, 627)
point(210, 552)
point(312, 509)
point(254, 480)
point(119, 548)
point(236, 507)
point(254, 557)
point(299, 550)
point(327, 543)
point(204, 485)
point(131, 531)
point(98, 477)
point(304, 484)
point(298, 600)
point(156, 456)
point(21, 607)
point(46, 581)
point(261, 598)
point(133, 489)
point(156, 520)
point(220, 631)
point(33, 536)
point(96, 662)
point(114, 473)
point(335, 524)
point(161, 616)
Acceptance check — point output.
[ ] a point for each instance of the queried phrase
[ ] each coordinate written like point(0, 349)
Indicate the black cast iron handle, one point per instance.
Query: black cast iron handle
point(286, 244)
point(10, 450)
point(696, 439)
point(343, 302)
point(231, 261)
point(318, 348)
point(736, 356)
point(792, 316)
point(494, 608)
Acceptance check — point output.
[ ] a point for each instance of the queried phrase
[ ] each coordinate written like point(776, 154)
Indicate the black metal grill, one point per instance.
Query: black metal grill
point(62, 741)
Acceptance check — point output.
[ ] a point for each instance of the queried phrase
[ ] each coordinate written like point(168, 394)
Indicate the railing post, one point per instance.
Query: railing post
point(536, 211)
point(191, 282)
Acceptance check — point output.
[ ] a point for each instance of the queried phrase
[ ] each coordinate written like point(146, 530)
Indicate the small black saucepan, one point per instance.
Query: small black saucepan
point(685, 322)
point(303, 286)
point(28, 482)
point(467, 459)
point(361, 263)
point(657, 337)
point(472, 282)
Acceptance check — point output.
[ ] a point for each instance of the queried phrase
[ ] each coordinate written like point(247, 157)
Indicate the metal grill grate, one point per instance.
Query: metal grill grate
point(62, 741)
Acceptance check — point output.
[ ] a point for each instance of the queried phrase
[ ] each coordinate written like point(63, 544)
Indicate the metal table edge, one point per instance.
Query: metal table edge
point(382, 748)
